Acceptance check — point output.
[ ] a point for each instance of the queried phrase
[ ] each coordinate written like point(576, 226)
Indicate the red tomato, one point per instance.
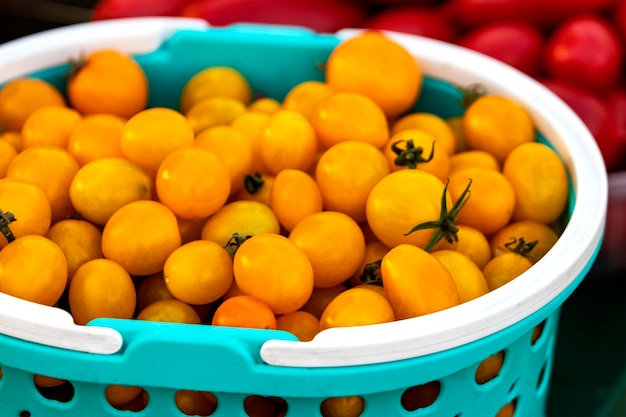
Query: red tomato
point(112, 9)
point(319, 15)
point(424, 21)
point(585, 50)
point(616, 102)
point(594, 112)
point(471, 13)
point(619, 17)
point(515, 43)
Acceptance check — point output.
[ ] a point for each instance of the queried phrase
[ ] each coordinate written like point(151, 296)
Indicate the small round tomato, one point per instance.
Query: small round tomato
point(302, 324)
point(402, 200)
point(251, 124)
point(52, 168)
point(471, 242)
point(244, 311)
point(490, 118)
point(290, 211)
point(50, 125)
point(334, 244)
point(195, 403)
point(346, 116)
point(304, 97)
point(288, 141)
point(140, 236)
point(504, 268)
point(320, 297)
point(417, 149)
point(539, 181)
point(265, 105)
point(101, 288)
point(193, 182)
point(169, 311)
point(417, 283)
point(96, 136)
point(102, 186)
point(198, 272)
point(376, 66)
point(275, 270)
point(33, 268)
point(244, 217)
point(346, 173)
point(467, 276)
point(150, 135)
point(217, 81)
point(439, 128)
point(108, 81)
point(19, 98)
point(529, 230)
point(150, 289)
point(214, 111)
point(7, 153)
point(473, 159)
point(356, 307)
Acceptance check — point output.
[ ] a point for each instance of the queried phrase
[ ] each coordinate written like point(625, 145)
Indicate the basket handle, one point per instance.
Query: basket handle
point(55, 327)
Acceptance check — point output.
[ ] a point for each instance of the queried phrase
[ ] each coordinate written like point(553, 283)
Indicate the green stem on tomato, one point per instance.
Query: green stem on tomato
point(5, 220)
point(410, 155)
point(234, 242)
point(253, 182)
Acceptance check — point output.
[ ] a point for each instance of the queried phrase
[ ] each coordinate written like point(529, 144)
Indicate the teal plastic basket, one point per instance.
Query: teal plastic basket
point(385, 365)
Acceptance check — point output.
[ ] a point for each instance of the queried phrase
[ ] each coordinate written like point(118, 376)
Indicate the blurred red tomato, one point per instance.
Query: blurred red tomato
point(595, 113)
point(319, 15)
point(585, 50)
point(113, 9)
point(471, 13)
point(430, 22)
point(616, 102)
point(515, 43)
point(619, 16)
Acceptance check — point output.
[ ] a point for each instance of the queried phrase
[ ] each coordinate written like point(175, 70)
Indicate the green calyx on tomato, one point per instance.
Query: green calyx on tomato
point(234, 242)
point(410, 155)
point(5, 220)
point(520, 246)
point(371, 274)
point(253, 182)
point(472, 93)
point(445, 226)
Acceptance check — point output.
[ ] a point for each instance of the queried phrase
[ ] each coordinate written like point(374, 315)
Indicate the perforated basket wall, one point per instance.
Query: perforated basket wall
point(418, 367)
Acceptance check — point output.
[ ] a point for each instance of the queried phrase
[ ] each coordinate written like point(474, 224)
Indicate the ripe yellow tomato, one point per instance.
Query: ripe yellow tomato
point(101, 187)
point(216, 81)
point(301, 324)
point(356, 307)
point(334, 244)
point(417, 283)
point(539, 179)
point(214, 111)
point(375, 65)
point(430, 123)
point(198, 272)
point(108, 81)
point(531, 231)
point(50, 125)
point(467, 276)
point(417, 149)
point(140, 236)
point(346, 116)
point(192, 182)
point(33, 268)
point(101, 288)
point(273, 269)
point(346, 173)
point(504, 268)
point(29, 206)
point(22, 96)
point(289, 210)
point(96, 136)
point(305, 96)
point(402, 200)
point(169, 311)
point(244, 311)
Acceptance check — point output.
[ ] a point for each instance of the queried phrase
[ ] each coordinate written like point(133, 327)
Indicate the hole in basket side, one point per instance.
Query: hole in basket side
point(261, 406)
point(420, 396)
point(489, 368)
point(507, 410)
point(125, 397)
point(196, 403)
point(537, 332)
point(350, 406)
point(54, 388)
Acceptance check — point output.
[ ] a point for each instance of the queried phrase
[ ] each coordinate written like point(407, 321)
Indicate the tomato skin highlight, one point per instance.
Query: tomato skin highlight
point(416, 283)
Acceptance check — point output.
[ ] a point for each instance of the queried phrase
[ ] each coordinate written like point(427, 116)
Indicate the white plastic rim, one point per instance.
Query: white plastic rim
point(387, 342)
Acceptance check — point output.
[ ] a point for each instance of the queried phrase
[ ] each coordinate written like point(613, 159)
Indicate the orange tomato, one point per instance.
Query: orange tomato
point(288, 183)
point(356, 307)
point(371, 63)
point(20, 97)
point(265, 105)
point(79, 240)
point(305, 96)
point(33, 268)
point(416, 283)
point(350, 406)
point(273, 269)
point(320, 297)
point(346, 173)
point(194, 403)
point(251, 124)
point(101, 288)
point(288, 141)
point(216, 81)
point(169, 311)
point(192, 182)
point(374, 252)
point(257, 187)
point(473, 159)
point(140, 236)
point(334, 244)
point(417, 149)
point(51, 168)
point(469, 279)
point(108, 81)
point(430, 123)
point(7, 153)
point(152, 288)
point(346, 116)
point(50, 125)
point(244, 311)
point(214, 111)
point(531, 231)
point(504, 268)
point(198, 272)
point(29, 206)
point(96, 136)
point(302, 324)
point(100, 187)
point(152, 134)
